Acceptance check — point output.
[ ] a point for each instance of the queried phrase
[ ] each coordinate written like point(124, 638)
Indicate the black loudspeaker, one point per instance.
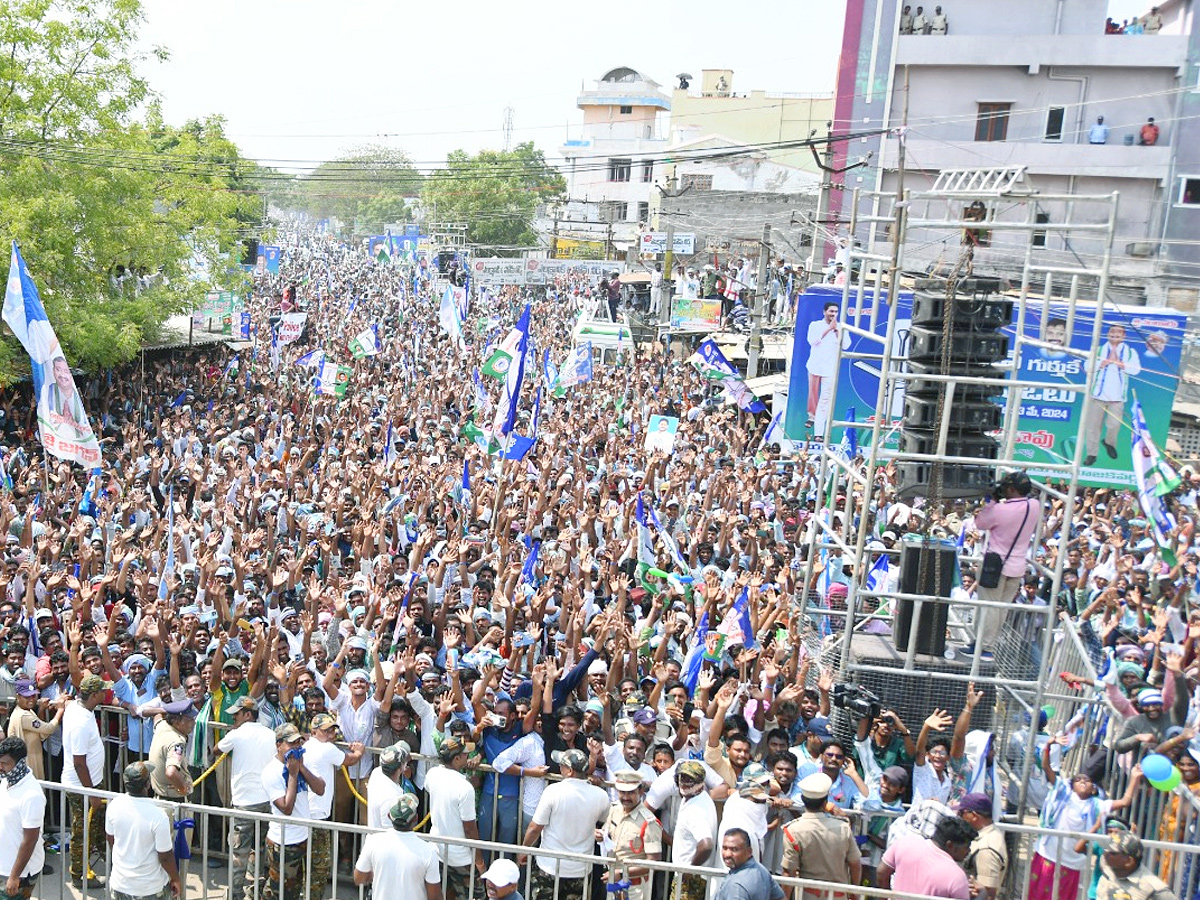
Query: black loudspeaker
point(956, 333)
point(960, 443)
point(250, 252)
point(921, 412)
point(926, 567)
point(969, 347)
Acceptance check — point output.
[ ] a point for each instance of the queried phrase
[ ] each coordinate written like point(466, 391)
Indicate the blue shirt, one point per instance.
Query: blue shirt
point(141, 731)
point(494, 743)
point(844, 791)
point(749, 881)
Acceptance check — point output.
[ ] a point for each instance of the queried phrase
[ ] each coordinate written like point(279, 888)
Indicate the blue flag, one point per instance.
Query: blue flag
point(180, 400)
point(506, 414)
point(877, 577)
point(314, 358)
point(466, 483)
point(694, 661)
point(528, 578)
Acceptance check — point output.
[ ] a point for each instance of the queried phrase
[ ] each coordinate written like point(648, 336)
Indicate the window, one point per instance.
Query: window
point(1039, 237)
point(1189, 192)
point(647, 171)
point(619, 169)
point(615, 211)
point(992, 121)
point(626, 110)
point(1054, 123)
point(696, 182)
point(643, 211)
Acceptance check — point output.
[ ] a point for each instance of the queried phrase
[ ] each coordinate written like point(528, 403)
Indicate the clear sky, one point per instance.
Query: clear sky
point(301, 80)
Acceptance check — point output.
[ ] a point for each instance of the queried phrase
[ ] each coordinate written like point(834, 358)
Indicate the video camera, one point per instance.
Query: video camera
point(856, 700)
point(1018, 481)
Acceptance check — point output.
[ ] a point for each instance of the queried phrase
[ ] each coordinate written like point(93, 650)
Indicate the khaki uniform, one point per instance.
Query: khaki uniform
point(167, 748)
point(906, 23)
point(1140, 884)
point(939, 25)
point(635, 836)
point(821, 847)
point(987, 861)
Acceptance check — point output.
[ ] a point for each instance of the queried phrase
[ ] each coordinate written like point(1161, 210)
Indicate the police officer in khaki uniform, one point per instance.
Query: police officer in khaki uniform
point(987, 862)
point(939, 24)
point(818, 845)
point(169, 776)
point(906, 20)
point(634, 834)
point(1125, 878)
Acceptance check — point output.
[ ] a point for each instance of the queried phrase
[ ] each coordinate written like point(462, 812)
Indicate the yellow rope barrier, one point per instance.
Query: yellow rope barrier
point(209, 770)
point(350, 784)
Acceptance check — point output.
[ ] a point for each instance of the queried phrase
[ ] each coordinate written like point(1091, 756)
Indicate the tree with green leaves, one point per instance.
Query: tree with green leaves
point(366, 188)
point(495, 192)
point(111, 213)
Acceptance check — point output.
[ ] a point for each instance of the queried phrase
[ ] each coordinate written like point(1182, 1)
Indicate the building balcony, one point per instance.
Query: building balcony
point(1112, 160)
point(1032, 52)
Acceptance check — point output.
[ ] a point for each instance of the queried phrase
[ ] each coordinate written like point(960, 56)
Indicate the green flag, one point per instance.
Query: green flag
point(497, 364)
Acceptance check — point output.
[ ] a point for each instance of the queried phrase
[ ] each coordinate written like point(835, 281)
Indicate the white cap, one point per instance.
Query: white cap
point(502, 872)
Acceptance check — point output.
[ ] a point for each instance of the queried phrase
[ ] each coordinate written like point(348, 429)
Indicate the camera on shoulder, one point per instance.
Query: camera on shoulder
point(856, 700)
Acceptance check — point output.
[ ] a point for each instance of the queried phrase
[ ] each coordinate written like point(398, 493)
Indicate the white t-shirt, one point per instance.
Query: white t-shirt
point(21, 806)
point(81, 737)
point(323, 759)
point(140, 830)
point(451, 802)
point(382, 794)
point(253, 749)
point(926, 785)
point(275, 785)
point(696, 822)
point(569, 812)
point(402, 864)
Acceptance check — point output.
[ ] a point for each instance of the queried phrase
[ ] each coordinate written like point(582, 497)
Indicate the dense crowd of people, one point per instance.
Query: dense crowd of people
point(359, 614)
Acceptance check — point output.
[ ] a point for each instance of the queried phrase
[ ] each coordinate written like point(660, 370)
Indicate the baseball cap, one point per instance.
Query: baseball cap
point(976, 802)
point(25, 688)
point(405, 810)
point(137, 773)
point(394, 757)
point(321, 721)
point(232, 664)
point(502, 872)
point(896, 775)
point(247, 704)
point(90, 684)
point(645, 716)
point(452, 746)
point(287, 732)
point(1125, 843)
point(690, 769)
point(575, 760)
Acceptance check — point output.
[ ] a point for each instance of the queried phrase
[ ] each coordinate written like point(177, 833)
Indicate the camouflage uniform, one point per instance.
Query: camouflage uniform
point(543, 887)
point(25, 891)
point(287, 860)
point(78, 805)
point(244, 838)
point(322, 862)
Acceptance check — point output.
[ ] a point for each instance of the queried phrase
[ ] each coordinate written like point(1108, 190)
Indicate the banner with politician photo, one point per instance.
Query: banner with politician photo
point(660, 434)
point(1138, 353)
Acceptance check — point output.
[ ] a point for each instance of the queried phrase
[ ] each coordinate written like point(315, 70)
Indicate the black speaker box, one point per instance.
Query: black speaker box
point(920, 562)
point(921, 412)
point(969, 348)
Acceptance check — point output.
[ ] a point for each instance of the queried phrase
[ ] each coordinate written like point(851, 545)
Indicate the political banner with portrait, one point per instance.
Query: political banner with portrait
point(1139, 351)
point(660, 434)
point(62, 422)
point(695, 314)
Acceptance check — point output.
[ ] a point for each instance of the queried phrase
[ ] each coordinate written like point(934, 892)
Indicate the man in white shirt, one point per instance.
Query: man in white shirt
point(288, 783)
point(452, 814)
point(399, 864)
point(323, 757)
point(695, 835)
point(22, 809)
point(141, 838)
point(383, 787)
point(83, 766)
point(566, 820)
point(251, 749)
point(527, 760)
point(1114, 364)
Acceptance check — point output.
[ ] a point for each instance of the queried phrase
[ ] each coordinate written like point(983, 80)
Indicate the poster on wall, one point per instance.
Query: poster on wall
point(1138, 353)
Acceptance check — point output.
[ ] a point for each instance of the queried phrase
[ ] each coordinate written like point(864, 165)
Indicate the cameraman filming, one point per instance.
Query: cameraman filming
point(1010, 518)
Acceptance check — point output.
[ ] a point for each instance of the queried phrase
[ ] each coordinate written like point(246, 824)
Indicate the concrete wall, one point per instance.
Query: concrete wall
point(1183, 222)
point(732, 221)
point(1022, 16)
point(754, 118)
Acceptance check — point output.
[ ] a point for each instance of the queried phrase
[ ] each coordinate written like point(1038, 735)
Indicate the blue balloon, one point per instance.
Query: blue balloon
point(1156, 767)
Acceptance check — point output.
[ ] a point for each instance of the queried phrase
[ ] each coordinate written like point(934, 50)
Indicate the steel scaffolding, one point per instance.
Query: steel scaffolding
point(1005, 202)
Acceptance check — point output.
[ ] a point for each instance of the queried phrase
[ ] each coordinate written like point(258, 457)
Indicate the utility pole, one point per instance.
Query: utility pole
point(898, 220)
point(822, 202)
point(760, 295)
point(554, 237)
point(668, 283)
